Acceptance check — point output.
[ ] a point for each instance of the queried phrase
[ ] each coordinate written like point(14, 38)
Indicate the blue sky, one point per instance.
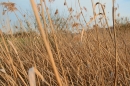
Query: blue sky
point(124, 6)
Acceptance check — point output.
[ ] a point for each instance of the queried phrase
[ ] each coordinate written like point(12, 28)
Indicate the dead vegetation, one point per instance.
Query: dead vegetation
point(60, 56)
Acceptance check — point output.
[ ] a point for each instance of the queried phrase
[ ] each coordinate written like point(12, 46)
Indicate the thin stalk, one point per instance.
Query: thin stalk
point(8, 21)
point(104, 15)
point(20, 22)
point(115, 42)
point(43, 17)
point(97, 34)
point(82, 32)
point(55, 38)
point(9, 57)
point(82, 12)
point(42, 32)
point(94, 14)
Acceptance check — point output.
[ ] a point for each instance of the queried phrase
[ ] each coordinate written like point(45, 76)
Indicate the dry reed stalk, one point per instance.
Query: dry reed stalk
point(97, 32)
point(81, 11)
point(104, 15)
point(43, 16)
point(8, 79)
point(9, 26)
point(52, 28)
point(12, 8)
point(46, 42)
point(32, 71)
point(103, 47)
point(8, 55)
point(22, 79)
point(70, 11)
point(82, 33)
point(115, 41)
point(21, 64)
point(91, 20)
point(55, 38)
point(20, 22)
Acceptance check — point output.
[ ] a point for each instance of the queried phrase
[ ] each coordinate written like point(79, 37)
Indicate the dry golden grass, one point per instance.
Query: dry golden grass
point(62, 57)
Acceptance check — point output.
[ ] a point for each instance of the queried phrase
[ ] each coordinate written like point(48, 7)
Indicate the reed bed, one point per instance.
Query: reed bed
point(60, 56)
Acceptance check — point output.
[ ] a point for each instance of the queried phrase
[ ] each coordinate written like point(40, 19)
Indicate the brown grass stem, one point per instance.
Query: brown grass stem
point(115, 41)
point(46, 42)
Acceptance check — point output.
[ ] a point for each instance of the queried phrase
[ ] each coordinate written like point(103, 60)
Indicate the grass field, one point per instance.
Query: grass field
point(58, 56)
